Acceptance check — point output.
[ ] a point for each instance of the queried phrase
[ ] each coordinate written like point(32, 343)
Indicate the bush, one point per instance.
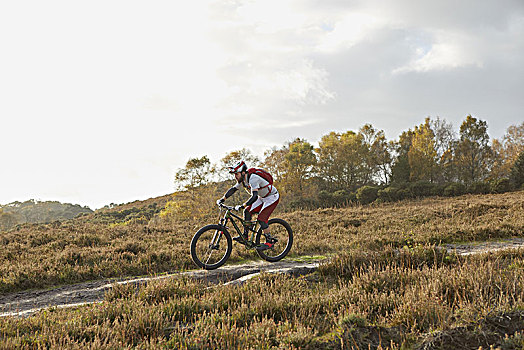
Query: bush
point(501, 186)
point(325, 197)
point(343, 196)
point(479, 188)
point(391, 194)
point(339, 197)
point(367, 194)
point(438, 189)
point(454, 189)
point(303, 203)
point(423, 189)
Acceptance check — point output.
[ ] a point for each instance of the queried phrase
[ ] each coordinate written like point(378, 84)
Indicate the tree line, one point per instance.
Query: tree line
point(32, 211)
point(428, 159)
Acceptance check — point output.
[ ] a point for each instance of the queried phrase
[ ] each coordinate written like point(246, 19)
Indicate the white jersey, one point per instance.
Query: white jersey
point(258, 183)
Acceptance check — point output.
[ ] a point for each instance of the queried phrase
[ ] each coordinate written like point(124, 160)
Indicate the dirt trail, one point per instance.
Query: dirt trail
point(484, 247)
point(27, 302)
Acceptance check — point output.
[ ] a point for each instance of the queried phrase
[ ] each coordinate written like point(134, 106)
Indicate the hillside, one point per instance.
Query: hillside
point(385, 284)
point(33, 211)
point(138, 238)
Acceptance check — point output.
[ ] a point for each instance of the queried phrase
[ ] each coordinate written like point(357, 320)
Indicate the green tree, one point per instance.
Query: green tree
point(473, 152)
point(517, 172)
point(401, 170)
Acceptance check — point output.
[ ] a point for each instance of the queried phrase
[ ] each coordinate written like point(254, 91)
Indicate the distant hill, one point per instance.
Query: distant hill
point(33, 211)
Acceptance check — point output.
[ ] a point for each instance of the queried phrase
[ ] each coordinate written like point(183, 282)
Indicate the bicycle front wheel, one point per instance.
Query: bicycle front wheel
point(281, 235)
point(211, 247)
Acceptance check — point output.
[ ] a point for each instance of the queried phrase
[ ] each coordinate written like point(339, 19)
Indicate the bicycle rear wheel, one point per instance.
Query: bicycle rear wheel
point(209, 250)
point(281, 235)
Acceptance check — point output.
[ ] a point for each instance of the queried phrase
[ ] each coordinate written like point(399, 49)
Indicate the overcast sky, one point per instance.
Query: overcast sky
point(102, 101)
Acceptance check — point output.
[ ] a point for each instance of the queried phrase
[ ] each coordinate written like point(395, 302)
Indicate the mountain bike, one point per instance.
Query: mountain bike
point(211, 246)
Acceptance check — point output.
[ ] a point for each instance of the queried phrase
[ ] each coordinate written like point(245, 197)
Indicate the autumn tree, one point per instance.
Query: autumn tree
point(274, 161)
point(197, 172)
point(234, 157)
point(298, 164)
point(507, 150)
point(341, 161)
point(445, 140)
point(514, 142)
point(422, 154)
point(377, 154)
point(473, 153)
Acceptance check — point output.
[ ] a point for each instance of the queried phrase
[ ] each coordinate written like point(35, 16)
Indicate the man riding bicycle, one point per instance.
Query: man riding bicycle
point(264, 199)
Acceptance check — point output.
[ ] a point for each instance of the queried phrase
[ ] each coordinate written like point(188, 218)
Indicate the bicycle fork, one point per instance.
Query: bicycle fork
point(218, 235)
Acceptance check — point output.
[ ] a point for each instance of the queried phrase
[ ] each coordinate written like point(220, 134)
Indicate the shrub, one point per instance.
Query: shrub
point(343, 196)
point(501, 186)
point(454, 189)
point(303, 203)
point(325, 197)
point(390, 194)
point(367, 194)
point(422, 189)
point(438, 189)
point(339, 197)
point(479, 188)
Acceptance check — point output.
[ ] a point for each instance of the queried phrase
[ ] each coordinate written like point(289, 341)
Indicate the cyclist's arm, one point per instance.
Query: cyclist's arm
point(230, 192)
point(254, 196)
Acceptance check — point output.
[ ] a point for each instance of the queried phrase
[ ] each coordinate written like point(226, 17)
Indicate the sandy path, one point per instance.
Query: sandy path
point(27, 302)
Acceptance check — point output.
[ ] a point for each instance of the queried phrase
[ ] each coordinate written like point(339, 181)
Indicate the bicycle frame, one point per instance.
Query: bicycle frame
point(252, 225)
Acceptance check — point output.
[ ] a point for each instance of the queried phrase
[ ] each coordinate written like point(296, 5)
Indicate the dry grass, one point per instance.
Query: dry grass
point(379, 300)
point(104, 245)
point(386, 286)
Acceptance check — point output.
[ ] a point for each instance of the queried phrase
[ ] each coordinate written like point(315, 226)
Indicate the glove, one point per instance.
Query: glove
point(238, 207)
point(220, 201)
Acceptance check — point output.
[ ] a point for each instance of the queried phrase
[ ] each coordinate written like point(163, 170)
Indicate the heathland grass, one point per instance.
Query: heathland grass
point(135, 240)
point(385, 285)
point(391, 299)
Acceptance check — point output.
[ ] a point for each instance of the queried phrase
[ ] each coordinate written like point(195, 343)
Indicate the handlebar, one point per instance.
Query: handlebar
point(222, 205)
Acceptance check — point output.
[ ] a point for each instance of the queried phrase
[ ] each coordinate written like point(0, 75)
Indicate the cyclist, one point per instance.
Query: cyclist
point(264, 199)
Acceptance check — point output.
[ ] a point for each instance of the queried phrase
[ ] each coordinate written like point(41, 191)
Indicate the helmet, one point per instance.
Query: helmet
point(238, 167)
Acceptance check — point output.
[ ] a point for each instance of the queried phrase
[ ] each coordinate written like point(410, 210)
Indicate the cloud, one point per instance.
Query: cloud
point(109, 99)
point(445, 51)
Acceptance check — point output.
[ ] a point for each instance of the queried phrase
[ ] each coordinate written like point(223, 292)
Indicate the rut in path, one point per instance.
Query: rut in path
point(27, 302)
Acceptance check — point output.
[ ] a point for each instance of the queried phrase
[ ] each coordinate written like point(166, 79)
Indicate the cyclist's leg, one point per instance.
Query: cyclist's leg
point(267, 209)
point(263, 217)
point(250, 210)
point(253, 209)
